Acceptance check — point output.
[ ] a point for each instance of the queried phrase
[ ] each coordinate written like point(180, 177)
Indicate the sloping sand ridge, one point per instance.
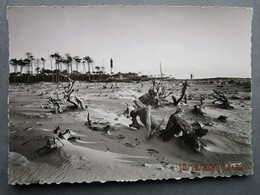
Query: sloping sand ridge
point(125, 154)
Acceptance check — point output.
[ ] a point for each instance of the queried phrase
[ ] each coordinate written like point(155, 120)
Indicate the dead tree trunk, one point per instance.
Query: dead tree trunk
point(185, 99)
point(190, 134)
point(183, 90)
point(74, 100)
point(221, 99)
point(68, 99)
point(56, 104)
point(176, 126)
point(68, 91)
point(146, 118)
point(155, 96)
point(58, 140)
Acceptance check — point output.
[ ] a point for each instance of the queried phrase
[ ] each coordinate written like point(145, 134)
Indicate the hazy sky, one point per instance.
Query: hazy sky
point(205, 42)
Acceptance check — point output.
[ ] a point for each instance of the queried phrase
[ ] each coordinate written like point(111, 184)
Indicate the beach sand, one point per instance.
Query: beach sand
point(126, 154)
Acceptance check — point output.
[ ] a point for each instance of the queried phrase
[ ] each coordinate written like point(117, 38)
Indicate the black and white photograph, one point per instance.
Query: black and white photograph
point(128, 93)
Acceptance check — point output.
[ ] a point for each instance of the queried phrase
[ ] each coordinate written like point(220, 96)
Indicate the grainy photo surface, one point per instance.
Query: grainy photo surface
point(114, 93)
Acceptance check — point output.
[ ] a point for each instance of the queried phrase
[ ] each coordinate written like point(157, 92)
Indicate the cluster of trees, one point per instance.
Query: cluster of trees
point(33, 69)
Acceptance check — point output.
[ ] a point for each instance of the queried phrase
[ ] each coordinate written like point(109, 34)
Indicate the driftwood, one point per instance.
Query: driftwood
point(74, 100)
point(104, 129)
point(221, 99)
point(129, 108)
point(193, 139)
point(146, 118)
point(185, 99)
point(183, 90)
point(176, 126)
point(197, 109)
point(58, 139)
point(156, 95)
point(222, 118)
point(80, 103)
point(201, 100)
point(89, 121)
point(56, 130)
point(67, 95)
point(54, 143)
point(190, 134)
point(56, 104)
point(64, 135)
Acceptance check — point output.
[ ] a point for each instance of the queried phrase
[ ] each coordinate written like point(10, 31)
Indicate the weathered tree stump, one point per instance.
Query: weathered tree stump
point(58, 139)
point(186, 132)
point(198, 110)
point(221, 99)
point(156, 95)
point(74, 100)
point(176, 126)
point(146, 118)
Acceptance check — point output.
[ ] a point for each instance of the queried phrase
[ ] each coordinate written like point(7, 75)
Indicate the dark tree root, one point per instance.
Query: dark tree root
point(220, 97)
point(189, 134)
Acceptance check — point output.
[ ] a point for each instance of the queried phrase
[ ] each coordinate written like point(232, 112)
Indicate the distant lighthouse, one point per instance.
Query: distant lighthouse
point(111, 66)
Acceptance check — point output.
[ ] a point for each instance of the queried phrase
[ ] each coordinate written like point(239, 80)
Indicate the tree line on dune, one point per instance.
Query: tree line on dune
point(31, 69)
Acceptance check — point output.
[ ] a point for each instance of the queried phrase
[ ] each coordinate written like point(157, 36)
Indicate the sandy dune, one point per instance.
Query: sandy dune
point(125, 155)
